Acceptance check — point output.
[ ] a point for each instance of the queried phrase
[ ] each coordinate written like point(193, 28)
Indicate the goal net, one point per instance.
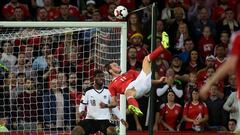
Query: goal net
point(37, 57)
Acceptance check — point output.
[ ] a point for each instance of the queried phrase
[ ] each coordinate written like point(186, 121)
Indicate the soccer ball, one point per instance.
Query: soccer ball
point(120, 12)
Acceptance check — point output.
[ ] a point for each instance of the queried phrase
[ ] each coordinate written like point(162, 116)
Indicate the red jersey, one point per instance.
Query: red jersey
point(194, 111)
point(53, 13)
point(8, 9)
point(219, 62)
point(206, 46)
point(119, 84)
point(171, 115)
point(73, 10)
point(235, 42)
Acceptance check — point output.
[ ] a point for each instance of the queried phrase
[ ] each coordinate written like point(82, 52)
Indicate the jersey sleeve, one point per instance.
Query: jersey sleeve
point(235, 42)
point(112, 91)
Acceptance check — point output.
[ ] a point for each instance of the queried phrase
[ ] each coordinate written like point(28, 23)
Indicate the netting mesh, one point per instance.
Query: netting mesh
point(44, 71)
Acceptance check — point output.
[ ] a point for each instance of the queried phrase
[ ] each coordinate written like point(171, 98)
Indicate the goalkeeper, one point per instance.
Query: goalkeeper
point(133, 84)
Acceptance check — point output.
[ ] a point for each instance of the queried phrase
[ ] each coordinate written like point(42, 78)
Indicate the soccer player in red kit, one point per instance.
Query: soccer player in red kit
point(133, 84)
point(231, 65)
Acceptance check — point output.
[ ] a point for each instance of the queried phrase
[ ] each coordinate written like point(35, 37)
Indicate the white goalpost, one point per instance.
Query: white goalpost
point(80, 48)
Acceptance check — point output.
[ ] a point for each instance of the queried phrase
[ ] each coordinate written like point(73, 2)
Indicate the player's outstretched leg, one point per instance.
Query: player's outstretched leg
point(165, 44)
point(132, 102)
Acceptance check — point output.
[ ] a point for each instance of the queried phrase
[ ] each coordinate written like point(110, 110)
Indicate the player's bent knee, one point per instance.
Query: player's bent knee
point(78, 130)
point(130, 92)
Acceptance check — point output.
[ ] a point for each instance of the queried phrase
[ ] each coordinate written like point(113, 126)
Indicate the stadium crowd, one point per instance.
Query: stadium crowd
point(40, 77)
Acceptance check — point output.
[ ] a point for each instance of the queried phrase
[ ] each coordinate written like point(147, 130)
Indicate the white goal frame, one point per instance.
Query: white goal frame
point(123, 57)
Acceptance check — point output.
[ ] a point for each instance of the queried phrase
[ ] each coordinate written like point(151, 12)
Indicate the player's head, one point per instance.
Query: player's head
point(99, 77)
point(113, 68)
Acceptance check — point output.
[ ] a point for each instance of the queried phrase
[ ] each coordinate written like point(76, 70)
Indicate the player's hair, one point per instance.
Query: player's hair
point(108, 66)
point(97, 71)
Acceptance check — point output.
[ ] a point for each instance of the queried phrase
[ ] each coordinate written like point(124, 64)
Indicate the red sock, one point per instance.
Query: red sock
point(132, 101)
point(153, 56)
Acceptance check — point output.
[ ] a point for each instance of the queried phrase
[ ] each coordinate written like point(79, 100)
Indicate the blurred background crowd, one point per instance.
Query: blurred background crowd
point(199, 32)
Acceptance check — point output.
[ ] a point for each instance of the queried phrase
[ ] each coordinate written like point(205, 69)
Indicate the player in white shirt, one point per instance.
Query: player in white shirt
point(97, 118)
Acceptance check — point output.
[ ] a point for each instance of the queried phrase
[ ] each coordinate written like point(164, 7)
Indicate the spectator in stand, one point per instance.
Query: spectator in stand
point(190, 86)
point(202, 21)
point(181, 36)
point(145, 14)
point(187, 47)
point(220, 55)
point(162, 66)
point(160, 29)
point(178, 69)
point(224, 39)
point(96, 16)
point(209, 62)
point(172, 29)
point(72, 62)
point(167, 14)
point(90, 7)
point(110, 16)
point(229, 24)
point(65, 47)
point(134, 25)
point(103, 8)
point(3, 123)
point(206, 43)
point(132, 62)
point(169, 114)
point(8, 58)
point(194, 9)
point(42, 14)
point(195, 113)
point(217, 116)
point(231, 106)
point(51, 71)
point(53, 12)
point(73, 10)
point(40, 63)
point(22, 66)
point(9, 9)
point(170, 83)
point(194, 62)
point(129, 4)
point(27, 106)
point(136, 41)
point(230, 87)
point(62, 83)
point(75, 97)
point(218, 14)
point(18, 15)
point(56, 107)
point(232, 124)
point(65, 14)
point(209, 72)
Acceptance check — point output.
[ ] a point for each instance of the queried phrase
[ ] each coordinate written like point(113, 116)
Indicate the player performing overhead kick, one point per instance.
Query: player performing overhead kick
point(133, 84)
